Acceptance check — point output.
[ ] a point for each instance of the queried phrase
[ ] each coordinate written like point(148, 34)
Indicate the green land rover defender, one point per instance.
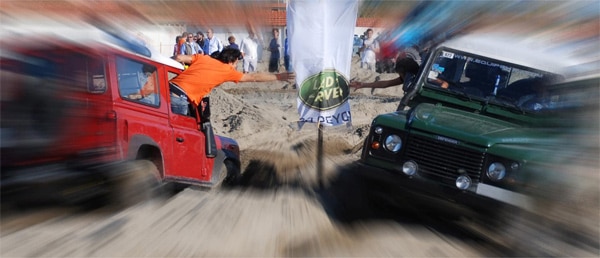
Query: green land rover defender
point(483, 125)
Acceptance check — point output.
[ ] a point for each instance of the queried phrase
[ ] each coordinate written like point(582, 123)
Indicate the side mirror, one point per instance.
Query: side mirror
point(203, 114)
point(409, 83)
point(204, 109)
point(409, 87)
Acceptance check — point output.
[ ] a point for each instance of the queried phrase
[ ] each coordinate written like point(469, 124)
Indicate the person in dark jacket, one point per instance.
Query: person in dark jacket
point(275, 54)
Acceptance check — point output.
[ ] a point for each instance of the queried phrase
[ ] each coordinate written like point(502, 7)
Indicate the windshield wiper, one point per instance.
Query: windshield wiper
point(505, 102)
point(453, 87)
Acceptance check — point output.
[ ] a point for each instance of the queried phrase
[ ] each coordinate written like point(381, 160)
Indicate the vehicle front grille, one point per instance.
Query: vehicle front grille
point(441, 161)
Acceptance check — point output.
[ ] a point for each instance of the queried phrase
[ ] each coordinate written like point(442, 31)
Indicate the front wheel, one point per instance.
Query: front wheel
point(233, 173)
point(228, 175)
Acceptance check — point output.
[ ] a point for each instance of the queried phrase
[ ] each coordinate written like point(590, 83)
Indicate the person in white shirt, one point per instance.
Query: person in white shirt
point(211, 43)
point(249, 49)
point(369, 51)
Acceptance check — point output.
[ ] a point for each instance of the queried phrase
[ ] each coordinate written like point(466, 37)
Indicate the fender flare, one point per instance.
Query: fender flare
point(230, 155)
point(135, 144)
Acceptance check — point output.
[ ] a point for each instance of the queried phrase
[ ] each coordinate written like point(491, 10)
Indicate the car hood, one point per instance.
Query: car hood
point(472, 127)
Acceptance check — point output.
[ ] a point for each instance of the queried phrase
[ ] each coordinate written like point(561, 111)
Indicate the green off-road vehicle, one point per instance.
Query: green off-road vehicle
point(483, 125)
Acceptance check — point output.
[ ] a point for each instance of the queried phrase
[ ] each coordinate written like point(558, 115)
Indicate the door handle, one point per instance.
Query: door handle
point(179, 139)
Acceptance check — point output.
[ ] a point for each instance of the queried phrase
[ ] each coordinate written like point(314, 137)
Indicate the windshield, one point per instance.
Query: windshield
point(488, 79)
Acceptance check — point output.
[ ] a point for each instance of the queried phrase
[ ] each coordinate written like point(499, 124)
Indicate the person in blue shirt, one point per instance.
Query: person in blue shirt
point(286, 53)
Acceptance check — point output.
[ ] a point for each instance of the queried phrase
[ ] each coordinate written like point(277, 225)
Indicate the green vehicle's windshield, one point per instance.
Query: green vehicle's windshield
point(498, 82)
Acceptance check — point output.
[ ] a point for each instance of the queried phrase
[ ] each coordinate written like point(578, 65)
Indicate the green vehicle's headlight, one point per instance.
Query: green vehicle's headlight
point(410, 168)
point(378, 130)
point(496, 171)
point(393, 143)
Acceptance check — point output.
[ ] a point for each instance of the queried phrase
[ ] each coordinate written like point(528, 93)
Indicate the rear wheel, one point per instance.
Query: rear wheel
point(134, 182)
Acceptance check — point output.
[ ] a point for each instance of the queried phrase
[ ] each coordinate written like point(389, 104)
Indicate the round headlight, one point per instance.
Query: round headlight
point(393, 143)
point(463, 182)
point(496, 171)
point(409, 168)
point(378, 130)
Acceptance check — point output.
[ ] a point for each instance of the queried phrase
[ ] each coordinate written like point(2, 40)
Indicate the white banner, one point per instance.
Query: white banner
point(320, 37)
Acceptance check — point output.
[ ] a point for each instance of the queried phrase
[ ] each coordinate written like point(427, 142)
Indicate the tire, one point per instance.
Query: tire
point(347, 198)
point(233, 174)
point(219, 179)
point(134, 182)
point(228, 176)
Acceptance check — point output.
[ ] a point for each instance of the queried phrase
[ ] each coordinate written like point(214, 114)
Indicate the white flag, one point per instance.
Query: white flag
point(321, 33)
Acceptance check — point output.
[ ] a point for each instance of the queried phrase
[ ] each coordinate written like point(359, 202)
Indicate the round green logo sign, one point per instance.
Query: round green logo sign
point(325, 90)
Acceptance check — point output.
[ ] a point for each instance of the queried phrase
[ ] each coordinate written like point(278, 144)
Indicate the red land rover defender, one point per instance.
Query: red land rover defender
point(87, 112)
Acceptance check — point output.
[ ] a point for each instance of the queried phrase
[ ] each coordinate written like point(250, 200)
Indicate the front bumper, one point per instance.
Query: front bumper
point(432, 194)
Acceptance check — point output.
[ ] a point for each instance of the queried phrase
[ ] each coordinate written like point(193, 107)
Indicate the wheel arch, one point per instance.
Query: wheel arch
point(231, 156)
point(144, 147)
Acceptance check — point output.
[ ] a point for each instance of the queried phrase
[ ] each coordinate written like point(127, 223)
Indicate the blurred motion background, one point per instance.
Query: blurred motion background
point(567, 25)
point(570, 27)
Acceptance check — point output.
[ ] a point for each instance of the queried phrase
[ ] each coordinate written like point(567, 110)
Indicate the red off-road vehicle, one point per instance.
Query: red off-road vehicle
point(90, 113)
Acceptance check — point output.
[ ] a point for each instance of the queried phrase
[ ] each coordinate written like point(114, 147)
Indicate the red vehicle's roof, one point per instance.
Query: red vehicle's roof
point(37, 33)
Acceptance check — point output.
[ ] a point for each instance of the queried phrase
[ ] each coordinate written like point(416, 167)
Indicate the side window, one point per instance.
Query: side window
point(179, 101)
point(138, 82)
point(80, 72)
point(96, 76)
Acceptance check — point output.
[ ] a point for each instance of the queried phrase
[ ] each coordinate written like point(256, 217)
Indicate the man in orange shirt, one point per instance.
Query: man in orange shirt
point(206, 73)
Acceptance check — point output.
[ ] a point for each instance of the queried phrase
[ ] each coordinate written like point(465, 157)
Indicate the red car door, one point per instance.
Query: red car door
point(188, 160)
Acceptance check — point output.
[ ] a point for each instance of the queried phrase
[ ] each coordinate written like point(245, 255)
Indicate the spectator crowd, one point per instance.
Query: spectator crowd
point(208, 44)
point(376, 53)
